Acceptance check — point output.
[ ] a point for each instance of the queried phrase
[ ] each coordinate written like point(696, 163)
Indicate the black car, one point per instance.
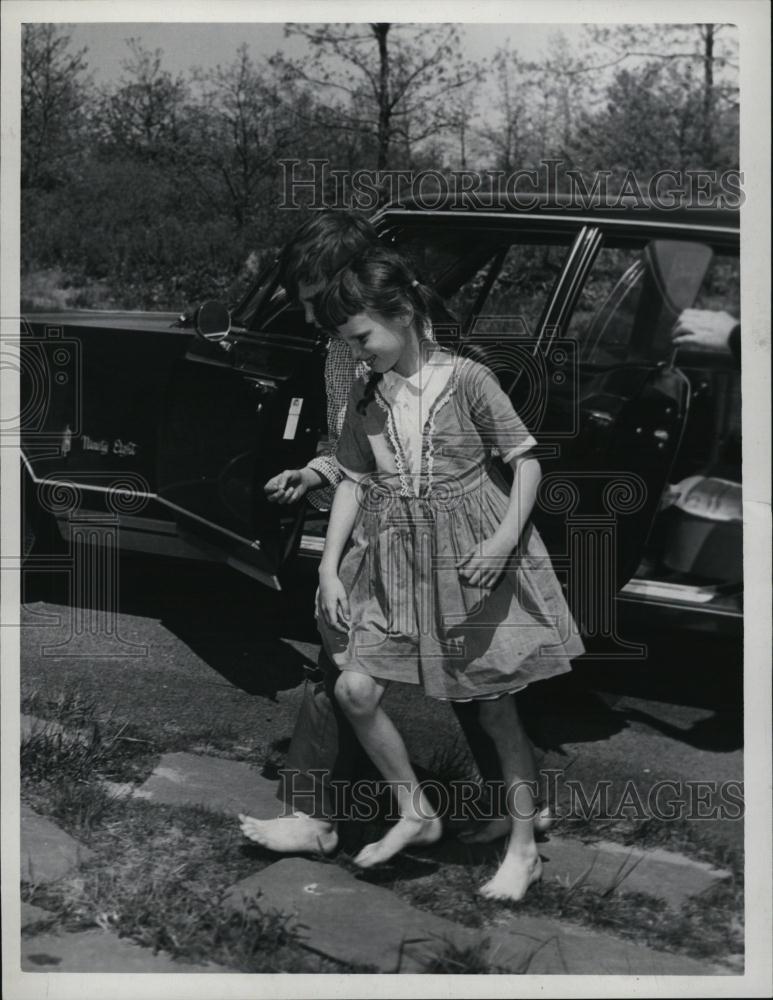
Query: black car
point(141, 433)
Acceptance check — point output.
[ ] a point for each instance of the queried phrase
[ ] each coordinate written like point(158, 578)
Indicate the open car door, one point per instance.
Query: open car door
point(611, 430)
point(239, 410)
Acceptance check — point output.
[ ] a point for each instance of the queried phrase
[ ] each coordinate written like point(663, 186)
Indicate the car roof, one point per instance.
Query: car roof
point(557, 211)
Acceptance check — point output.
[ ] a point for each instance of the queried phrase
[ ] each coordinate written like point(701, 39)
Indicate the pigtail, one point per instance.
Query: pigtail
point(430, 306)
point(370, 392)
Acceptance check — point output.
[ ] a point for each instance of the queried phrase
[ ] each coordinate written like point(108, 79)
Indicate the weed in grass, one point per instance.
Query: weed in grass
point(54, 755)
point(187, 921)
point(81, 806)
point(463, 960)
point(70, 707)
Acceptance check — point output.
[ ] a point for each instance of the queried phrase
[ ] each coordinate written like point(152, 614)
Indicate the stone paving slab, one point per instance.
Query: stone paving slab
point(184, 779)
point(31, 914)
point(97, 951)
point(663, 874)
point(352, 920)
point(47, 852)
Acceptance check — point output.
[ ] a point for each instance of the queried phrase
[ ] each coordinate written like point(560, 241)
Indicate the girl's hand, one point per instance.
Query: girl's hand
point(332, 603)
point(288, 487)
point(484, 564)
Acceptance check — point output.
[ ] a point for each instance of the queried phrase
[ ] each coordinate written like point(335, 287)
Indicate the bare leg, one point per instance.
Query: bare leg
point(521, 865)
point(360, 697)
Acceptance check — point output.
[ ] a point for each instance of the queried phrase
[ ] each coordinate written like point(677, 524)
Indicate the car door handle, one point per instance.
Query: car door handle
point(263, 386)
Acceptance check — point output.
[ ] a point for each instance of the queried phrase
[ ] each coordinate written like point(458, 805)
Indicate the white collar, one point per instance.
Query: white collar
point(436, 359)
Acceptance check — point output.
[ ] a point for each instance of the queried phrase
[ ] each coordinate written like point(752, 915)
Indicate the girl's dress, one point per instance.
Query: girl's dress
point(421, 456)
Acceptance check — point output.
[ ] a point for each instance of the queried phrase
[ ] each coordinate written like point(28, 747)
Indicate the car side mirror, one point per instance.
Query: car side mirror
point(212, 321)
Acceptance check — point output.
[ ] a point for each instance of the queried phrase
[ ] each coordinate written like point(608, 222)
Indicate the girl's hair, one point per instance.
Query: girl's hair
point(380, 281)
point(323, 245)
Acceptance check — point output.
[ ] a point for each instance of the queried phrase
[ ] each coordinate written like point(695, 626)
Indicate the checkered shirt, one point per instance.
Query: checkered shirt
point(340, 372)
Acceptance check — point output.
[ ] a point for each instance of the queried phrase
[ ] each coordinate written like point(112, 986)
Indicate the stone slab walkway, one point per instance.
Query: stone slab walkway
point(97, 951)
point(603, 865)
point(230, 786)
point(233, 787)
point(31, 914)
point(349, 919)
point(47, 852)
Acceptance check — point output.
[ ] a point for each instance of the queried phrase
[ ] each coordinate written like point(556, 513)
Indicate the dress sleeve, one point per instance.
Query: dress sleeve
point(354, 454)
point(492, 412)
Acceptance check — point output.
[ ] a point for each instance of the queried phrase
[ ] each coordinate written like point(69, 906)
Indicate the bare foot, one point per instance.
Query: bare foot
point(514, 876)
point(407, 832)
point(497, 828)
point(298, 833)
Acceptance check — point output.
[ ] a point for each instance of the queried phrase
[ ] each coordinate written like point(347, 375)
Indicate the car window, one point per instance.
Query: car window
point(602, 320)
point(484, 277)
point(721, 288)
point(489, 279)
point(634, 295)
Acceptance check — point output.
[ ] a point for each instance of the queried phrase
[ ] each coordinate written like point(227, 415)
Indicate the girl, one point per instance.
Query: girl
point(430, 574)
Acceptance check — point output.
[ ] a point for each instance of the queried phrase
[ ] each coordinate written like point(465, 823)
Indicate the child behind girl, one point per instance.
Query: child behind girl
point(432, 574)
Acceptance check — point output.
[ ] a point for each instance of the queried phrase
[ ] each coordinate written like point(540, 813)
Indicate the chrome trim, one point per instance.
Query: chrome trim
point(311, 544)
point(532, 216)
point(210, 524)
point(593, 242)
point(683, 606)
point(150, 496)
point(547, 317)
point(77, 484)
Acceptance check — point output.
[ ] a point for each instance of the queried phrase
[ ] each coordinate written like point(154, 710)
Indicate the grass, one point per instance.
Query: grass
point(463, 960)
point(76, 758)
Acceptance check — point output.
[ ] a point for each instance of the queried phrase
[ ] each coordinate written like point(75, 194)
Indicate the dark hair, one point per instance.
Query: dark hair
point(380, 281)
point(322, 246)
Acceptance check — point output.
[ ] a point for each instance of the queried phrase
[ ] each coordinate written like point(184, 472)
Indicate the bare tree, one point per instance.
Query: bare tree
point(54, 101)
point(711, 48)
point(143, 112)
point(392, 83)
point(241, 126)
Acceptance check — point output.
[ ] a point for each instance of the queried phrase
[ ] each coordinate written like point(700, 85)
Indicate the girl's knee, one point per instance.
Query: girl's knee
point(356, 693)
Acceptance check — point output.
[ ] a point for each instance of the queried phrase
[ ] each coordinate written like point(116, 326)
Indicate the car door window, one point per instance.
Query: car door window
point(491, 282)
point(633, 296)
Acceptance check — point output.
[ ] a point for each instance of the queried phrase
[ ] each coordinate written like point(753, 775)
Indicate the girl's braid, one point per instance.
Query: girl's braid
point(370, 391)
